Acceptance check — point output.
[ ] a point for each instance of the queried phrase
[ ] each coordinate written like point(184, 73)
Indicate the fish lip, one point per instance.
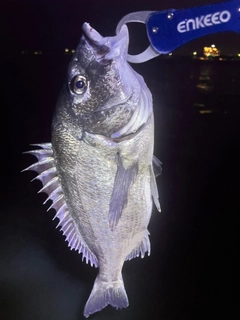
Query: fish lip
point(106, 47)
point(95, 36)
point(91, 34)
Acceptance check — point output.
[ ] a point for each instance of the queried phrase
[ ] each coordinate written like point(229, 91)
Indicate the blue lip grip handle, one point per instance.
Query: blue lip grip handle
point(170, 29)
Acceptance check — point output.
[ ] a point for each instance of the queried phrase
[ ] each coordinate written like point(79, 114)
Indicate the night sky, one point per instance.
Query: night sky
point(53, 25)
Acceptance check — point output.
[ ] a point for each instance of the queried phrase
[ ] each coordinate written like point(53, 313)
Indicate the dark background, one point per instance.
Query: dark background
point(51, 25)
point(190, 273)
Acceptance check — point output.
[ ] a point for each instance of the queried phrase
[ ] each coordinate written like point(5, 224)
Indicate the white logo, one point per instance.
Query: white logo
point(204, 21)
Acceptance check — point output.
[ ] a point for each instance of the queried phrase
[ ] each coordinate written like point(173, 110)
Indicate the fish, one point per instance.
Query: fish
point(99, 170)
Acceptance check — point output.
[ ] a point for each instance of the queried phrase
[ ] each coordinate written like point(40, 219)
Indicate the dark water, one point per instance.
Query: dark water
point(190, 273)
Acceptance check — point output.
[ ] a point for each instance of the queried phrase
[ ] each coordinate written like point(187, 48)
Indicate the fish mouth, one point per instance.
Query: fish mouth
point(107, 47)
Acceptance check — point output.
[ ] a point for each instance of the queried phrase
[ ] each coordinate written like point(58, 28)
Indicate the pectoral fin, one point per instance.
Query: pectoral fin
point(123, 180)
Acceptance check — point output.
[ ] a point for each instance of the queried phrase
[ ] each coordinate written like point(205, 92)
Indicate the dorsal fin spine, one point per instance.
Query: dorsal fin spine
point(47, 174)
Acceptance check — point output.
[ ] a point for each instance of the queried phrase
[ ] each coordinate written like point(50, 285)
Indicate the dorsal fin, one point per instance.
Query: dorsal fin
point(47, 174)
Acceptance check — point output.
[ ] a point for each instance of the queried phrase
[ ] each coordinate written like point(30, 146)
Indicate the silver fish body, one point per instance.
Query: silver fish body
point(99, 169)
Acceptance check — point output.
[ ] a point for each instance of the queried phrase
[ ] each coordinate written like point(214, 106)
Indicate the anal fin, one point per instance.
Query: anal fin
point(144, 247)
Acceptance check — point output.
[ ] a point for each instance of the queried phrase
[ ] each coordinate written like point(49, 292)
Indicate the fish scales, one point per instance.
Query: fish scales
point(100, 161)
point(88, 181)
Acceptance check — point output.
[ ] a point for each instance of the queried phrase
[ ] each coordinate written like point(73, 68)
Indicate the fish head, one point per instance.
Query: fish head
point(101, 89)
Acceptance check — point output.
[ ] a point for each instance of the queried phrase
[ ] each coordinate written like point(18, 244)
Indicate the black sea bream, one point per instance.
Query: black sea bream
point(99, 169)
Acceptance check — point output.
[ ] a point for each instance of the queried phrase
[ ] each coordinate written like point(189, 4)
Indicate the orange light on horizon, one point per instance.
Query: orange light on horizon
point(211, 51)
point(205, 111)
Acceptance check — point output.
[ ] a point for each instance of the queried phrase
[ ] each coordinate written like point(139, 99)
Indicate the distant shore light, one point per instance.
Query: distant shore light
point(170, 54)
point(73, 51)
point(211, 51)
point(194, 53)
point(66, 50)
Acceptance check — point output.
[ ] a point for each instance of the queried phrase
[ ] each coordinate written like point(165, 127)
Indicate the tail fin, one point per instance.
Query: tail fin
point(104, 294)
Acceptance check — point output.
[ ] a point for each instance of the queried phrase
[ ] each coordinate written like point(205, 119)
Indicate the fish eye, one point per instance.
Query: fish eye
point(78, 84)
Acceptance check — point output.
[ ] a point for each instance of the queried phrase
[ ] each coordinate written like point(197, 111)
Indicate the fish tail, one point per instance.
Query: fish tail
point(105, 293)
